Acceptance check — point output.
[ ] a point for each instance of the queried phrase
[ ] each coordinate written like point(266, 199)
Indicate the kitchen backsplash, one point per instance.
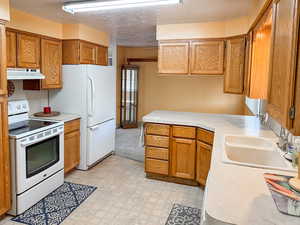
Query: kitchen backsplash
point(37, 99)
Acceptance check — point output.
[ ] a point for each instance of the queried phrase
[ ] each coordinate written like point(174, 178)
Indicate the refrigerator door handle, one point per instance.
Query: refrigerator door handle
point(92, 96)
point(94, 128)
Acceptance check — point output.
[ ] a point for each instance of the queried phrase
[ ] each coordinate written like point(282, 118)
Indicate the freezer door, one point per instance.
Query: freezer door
point(101, 141)
point(101, 97)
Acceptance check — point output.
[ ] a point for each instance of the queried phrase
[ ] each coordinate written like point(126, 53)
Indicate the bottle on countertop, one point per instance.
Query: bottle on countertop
point(295, 158)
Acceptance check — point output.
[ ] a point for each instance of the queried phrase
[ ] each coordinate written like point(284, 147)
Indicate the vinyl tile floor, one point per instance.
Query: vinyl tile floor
point(125, 197)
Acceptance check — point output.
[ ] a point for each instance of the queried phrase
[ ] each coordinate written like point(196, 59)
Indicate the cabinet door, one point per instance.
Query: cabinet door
point(173, 58)
point(72, 150)
point(207, 57)
point(235, 60)
point(70, 54)
point(183, 154)
point(102, 56)
point(5, 200)
point(51, 62)
point(283, 61)
point(248, 53)
point(87, 53)
point(11, 49)
point(3, 76)
point(28, 51)
point(203, 161)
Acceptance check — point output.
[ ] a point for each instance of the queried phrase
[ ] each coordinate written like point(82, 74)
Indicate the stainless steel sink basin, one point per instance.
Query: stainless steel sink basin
point(254, 152)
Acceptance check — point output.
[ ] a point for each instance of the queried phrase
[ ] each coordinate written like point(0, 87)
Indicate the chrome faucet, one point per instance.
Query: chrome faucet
point(263, 118)
point(283, 142)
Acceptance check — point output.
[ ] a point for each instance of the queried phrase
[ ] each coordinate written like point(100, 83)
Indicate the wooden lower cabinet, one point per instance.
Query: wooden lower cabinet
point(183, 155)
point(179, 154)
point(157, 129)
point(72, 145)
point(5, 196)
point(157, 166)
point(157, 141)
point(203, 161)
point(157, 153)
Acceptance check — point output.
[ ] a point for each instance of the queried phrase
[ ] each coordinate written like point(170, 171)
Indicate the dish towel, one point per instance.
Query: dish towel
point(142, 138)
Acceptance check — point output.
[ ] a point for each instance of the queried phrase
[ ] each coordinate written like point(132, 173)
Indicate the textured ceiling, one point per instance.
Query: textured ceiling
point(136, 27)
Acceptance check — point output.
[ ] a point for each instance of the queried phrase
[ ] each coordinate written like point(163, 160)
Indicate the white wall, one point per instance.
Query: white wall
point(37, 99)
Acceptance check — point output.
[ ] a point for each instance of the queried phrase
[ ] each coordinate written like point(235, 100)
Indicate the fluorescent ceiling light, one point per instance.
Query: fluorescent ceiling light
point(84, 6)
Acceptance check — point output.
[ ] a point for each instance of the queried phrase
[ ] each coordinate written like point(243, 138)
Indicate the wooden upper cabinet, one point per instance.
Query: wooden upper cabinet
point(259, 58)
point(70, 52)
point(51, 63)
point(173, 57)
point(83, 52)
point(296, 122)
point(5, 190)
point(28, 51)
point(3, 76)
point(207, 57)
point(283, 61)
point(11, 49)
point(102, 56)
point(87, 53)
point(203, 161)
point(183, 156)
point(235, 65)
point(247, 75)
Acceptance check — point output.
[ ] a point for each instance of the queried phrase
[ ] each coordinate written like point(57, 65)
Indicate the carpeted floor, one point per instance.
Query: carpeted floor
point(128, 144)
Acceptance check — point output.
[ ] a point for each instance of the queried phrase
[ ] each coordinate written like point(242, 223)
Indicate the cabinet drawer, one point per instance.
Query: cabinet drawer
point(159, 129)
point(157, 166)
point(205, 136)
point(157, 153)
point(184, 132)
point(72, 126)
point(157, 141)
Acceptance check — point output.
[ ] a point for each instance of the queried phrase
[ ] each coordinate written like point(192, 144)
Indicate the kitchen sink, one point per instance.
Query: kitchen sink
point(250, 141)
point(254, 152)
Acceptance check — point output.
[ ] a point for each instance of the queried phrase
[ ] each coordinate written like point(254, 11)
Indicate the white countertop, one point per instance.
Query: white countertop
point(234, 194)
point(64, 117)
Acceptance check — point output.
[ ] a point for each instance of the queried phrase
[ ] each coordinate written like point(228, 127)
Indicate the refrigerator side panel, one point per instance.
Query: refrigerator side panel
point(72, 99)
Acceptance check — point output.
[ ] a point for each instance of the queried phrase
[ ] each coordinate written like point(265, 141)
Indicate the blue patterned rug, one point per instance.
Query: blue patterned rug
point(56, 206)
point(184, 215)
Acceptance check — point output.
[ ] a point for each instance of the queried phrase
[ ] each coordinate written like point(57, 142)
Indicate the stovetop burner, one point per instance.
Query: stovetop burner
point(27, 126)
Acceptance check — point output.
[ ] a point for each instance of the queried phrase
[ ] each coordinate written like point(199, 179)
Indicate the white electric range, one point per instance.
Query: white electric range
point(37, 156)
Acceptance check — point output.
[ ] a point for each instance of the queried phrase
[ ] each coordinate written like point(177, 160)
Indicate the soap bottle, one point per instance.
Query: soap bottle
point(295, 157)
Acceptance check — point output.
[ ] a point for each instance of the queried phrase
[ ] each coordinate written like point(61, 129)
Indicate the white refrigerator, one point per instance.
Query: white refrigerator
point(90, 91)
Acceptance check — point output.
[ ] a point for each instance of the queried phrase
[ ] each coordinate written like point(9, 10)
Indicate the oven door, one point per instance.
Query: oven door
point(38, 157)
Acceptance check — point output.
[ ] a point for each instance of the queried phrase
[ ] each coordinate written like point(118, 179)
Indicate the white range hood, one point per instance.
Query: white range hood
point(24, 74)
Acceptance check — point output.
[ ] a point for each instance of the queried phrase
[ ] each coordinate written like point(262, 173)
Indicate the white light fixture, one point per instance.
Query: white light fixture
point(84, 6)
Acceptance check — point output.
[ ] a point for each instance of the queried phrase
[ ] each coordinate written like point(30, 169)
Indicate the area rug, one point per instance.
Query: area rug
point(184, 215)
point(56, 206)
